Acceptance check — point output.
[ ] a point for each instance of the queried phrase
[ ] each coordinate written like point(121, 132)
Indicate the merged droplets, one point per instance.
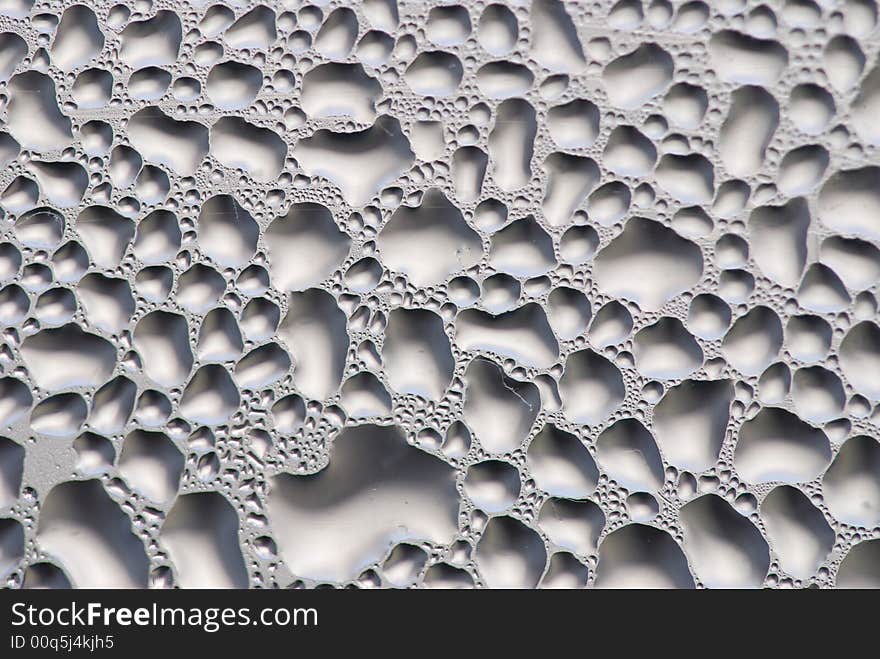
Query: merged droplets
point(725, 549)
point(630, 266)
point(642, 556)
point(798, 531)
point(634, 78)
point(376, 464)
point(776, 445)
point(437, 227)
